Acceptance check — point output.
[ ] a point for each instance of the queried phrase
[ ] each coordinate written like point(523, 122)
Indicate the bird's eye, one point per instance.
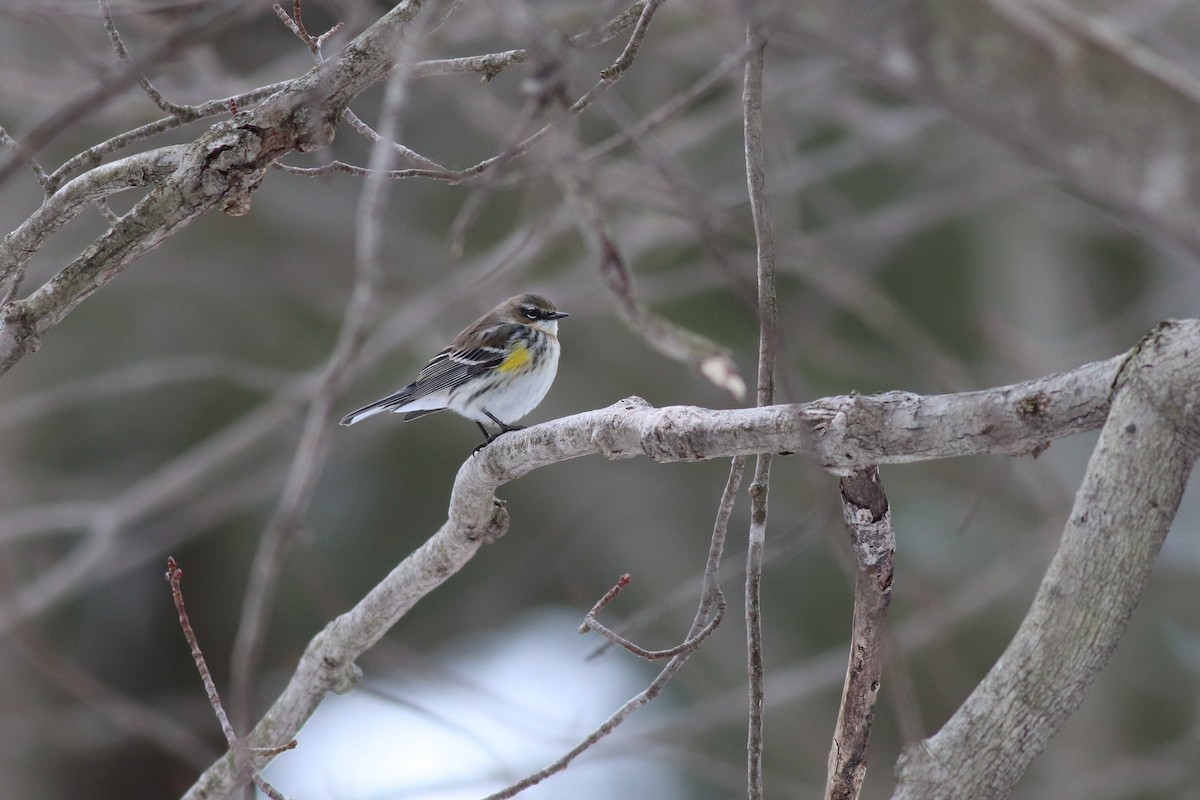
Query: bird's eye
point(530, 312)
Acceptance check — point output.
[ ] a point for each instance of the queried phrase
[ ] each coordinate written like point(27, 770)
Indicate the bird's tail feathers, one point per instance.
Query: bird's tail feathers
point(410, 416)
point(389, 403)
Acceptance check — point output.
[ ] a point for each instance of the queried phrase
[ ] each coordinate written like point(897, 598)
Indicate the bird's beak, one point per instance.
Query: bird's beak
point(558, 315)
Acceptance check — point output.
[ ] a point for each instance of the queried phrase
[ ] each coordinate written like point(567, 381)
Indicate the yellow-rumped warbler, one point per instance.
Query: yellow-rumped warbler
point(497, 370)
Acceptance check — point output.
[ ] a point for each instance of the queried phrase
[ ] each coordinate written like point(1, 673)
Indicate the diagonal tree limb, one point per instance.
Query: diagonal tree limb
point(66, 204)
point(1134, 481)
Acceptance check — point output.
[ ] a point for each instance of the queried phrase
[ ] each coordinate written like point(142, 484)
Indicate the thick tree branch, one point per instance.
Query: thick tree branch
point(869, 519)
point(1135, 479)
point(843, 433)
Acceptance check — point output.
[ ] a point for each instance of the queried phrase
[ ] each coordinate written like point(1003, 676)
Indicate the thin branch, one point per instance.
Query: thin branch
point(489, 65)
point(671, 340)
point(688, 645)
point(374, 138)
point(295, 24)
point(38, 172)
point(673, 107)
point(211, 108)
point(114, 37)
point(625, 60)
point(767, 346)
point(708, 615)
point(186, 473)
point(620, 715)
point(65, 204)
point(869, 519)
point(244, 754)
point(221, 170)
point(716, 549)
point(513, 148)
point(1014, 70)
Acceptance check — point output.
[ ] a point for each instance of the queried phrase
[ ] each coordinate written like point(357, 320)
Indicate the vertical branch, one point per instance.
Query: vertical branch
point(764, 240)
point(712, 586)
point(870, 521)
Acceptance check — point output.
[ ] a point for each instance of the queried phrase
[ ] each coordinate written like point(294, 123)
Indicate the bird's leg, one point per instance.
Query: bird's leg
point(504, 426)
point(488, 437)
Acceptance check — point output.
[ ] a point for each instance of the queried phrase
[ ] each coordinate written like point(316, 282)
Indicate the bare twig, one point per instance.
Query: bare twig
point(625, 60)
point(869, 519)
point(620, 715)
point(244, 754)
point(767, 345)
point(1007, 71)
point(702, 354)
point(183, 474)
point(489, 65)
point(65, 204)
point(672, 108)
point(516, 145)
point(11, 143)
point(295, 24)
point(708, 615)
point(401, 151)
point(688, 645)
point(138, 377)
point(221, 170)
point(716, 549)
point(114, 36)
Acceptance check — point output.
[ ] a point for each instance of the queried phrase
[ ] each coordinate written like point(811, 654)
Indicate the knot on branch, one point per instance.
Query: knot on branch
point(233, 162)
point(21, 332)
point(1164, 368)
point(338, 672)
point(495, 527)
point(603, 437)
point(829, 420)
point(865, 508)
point(675, 434)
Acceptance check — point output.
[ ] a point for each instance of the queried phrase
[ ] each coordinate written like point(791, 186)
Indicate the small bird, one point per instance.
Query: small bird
point(496, 370)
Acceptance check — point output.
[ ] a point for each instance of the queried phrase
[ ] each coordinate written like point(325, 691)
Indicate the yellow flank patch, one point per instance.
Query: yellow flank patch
point(518, 358)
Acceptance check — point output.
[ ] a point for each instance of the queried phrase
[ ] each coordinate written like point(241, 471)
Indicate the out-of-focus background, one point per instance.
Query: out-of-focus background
point(915, 254)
